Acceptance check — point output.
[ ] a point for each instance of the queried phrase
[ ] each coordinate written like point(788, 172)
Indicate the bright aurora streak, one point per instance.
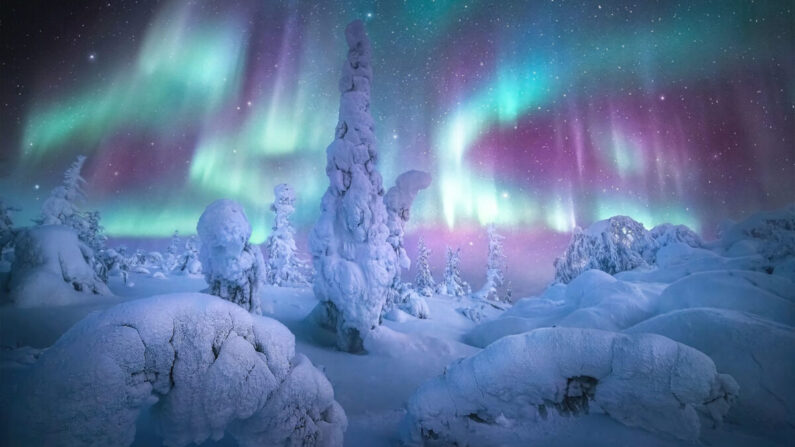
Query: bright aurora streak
point(537, 115)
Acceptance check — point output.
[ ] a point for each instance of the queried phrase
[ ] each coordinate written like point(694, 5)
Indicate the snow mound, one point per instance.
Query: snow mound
point(593, 300)
point(618, 244)
point(52, 268)
point(233, 268)
point(506, 391)
point(770, 234)
point(765, 295)
point(758, 353)
point(205, 365)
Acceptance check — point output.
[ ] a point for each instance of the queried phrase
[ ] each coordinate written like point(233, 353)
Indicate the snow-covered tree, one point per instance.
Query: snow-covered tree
point(171, 257)
point(285, 268)
point(232, 266)
point(398, 202)
point(355, 264)
point(423, 282)
point(495, 266)
point(189, 263)
point(453, 284)
point(6, 224)
point(61, 206)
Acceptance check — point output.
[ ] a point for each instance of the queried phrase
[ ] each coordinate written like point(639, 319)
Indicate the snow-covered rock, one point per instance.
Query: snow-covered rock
point(769, 296)
point(758, 353)
point(205, 366)
point(354, 263)
point(502, 395)
point(52, 268)
point(232, 266)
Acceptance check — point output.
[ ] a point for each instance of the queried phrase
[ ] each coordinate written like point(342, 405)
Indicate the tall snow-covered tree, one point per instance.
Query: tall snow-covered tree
point(60, 208)
point(171, 257)
point(423, 282)
point(453, 284)
point(355, 264)
point(285, 268)
point(495, 266)
point(232, 266)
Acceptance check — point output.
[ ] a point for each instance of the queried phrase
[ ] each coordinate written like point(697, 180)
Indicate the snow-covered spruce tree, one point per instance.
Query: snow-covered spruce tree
point(495, 266)
point(6, 225)
point(61, 206)
point(171, 257)
point(189, 263)
point(285, 268)
point(398, 202)
point(423, 282)
point(452, 284)
point(232, 266)
point(353, 261)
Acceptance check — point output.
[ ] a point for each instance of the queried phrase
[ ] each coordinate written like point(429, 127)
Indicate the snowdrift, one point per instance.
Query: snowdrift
point(205, 365)
point(51, 268)
point(502, 395)
point(758, 353)
point(593, 300)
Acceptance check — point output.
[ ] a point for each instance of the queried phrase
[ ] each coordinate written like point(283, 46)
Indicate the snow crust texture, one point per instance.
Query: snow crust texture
point(355, 265)
point(205, 366)
point(52, 267)
point(233, 268)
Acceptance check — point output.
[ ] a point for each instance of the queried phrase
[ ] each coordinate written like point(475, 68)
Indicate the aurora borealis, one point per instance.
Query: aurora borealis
point(537, 115)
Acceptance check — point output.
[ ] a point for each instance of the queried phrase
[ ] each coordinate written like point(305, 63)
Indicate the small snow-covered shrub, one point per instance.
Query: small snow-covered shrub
point(758, 353)
point(206, 366)
point(501, 395)
point(285, 268)
point(232, 266)
point(52, 267)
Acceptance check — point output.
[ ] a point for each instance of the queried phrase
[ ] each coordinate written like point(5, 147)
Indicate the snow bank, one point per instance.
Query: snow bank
point(766, 295)
point(206, 365)
point(593, 300)
point(52, 268)
point(233, 267)
point(506, 391)
point(758, 353)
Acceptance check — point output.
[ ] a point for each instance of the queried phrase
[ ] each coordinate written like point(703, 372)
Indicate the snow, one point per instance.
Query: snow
point(233, 267)
point(51, 268)
point(758, 353)
point(355, 265)
point(204, 365)
point(506, 391)
point(771, 234)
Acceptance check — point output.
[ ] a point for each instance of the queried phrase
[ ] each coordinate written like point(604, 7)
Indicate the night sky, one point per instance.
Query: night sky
point(539, 115)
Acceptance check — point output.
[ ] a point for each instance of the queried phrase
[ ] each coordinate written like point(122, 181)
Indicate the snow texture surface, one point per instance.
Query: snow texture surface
point(506, 391)
point(205, 366)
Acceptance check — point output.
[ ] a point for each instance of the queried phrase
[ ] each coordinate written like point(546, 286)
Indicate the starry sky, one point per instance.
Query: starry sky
point(536, 115)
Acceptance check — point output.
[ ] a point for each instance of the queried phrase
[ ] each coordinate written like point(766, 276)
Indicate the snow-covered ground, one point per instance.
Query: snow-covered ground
point(696, 346)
